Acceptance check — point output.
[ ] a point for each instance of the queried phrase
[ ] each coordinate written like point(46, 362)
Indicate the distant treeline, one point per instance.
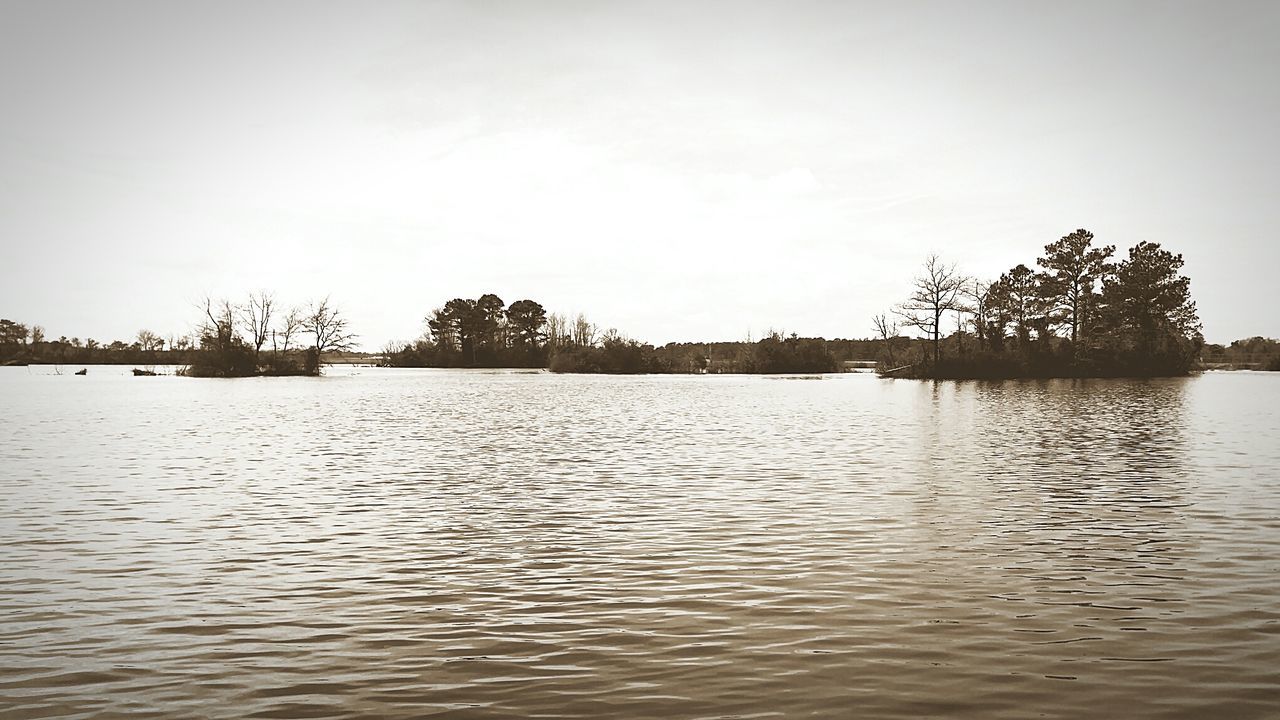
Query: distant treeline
point(484, 332)
point(22, 344)
point(1255, 353)
point(1079, 315)
point(231, 340)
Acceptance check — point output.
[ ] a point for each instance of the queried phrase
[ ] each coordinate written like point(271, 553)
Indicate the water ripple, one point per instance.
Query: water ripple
point(455, 544)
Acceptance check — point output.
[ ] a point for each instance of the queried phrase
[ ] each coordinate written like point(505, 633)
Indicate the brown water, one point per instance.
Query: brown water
point(407, 543)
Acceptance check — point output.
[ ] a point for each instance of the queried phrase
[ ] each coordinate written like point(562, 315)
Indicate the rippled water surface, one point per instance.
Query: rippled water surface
point(384, 543)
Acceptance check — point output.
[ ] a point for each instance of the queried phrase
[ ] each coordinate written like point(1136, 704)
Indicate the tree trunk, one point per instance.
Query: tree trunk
point(937, 333)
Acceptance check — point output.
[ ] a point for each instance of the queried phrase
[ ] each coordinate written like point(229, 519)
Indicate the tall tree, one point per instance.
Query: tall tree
point(1148, 304)
point(526, 319)
point(328, 330)
point(255, 316)
point(935, 292)
point(459, 316)
point(444, 330)
point(1020, 294)
point(1073, 268)
point(488, 323)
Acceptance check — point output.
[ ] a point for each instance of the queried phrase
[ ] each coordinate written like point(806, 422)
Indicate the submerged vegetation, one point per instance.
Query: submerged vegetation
point(1079, 315)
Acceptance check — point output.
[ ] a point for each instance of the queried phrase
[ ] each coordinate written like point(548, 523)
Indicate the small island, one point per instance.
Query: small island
point(1079, 315)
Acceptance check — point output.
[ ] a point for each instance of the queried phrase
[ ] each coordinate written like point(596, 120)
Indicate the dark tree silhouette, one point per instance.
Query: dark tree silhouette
point(328, 330)
point(458, 320)
point(490, 314)
point(1074, 268)
point(255, 315)
point(526, 320)
point(1148, 310)
point(936, 292)
point(1019, 297)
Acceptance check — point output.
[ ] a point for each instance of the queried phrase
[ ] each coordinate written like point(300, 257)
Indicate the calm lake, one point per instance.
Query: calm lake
point(403, 543)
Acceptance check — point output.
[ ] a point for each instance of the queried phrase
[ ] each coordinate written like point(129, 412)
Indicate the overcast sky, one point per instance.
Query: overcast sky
point(680, 171)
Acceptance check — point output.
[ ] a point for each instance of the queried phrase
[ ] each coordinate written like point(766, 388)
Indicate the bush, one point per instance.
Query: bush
point(232, 359)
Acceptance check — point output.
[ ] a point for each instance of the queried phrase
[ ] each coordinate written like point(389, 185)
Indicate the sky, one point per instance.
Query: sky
point(679, 171)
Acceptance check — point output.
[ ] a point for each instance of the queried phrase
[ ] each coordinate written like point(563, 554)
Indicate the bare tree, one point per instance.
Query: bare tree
point(584, 333)
point(149, 341)
point(978, 292)
point(887, 331)
point(255, 318)
point(217, 328)
point(328, 329)
point(557, 330)
point(222, 351)
point(936, 292)
point(291, 326)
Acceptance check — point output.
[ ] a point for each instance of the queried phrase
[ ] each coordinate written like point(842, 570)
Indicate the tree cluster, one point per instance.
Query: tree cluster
point(22, 344)
point(257, 338)
point(1080, 313)
point(480, 332)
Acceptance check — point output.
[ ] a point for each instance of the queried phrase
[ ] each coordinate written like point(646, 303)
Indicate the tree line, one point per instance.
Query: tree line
point(231, 339)
point(1080, 313)
point(1255, 353)
point(483, 332)
point(22, 344)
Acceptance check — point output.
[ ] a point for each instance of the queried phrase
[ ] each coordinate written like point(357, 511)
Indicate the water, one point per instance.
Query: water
point(384, 543)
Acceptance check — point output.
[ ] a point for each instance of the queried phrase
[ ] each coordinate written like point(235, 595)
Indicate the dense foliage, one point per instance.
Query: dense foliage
point(478, 333)
point(1080, 314)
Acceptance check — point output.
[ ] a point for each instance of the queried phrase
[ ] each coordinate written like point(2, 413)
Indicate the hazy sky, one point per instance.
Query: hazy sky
point(678, 170)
